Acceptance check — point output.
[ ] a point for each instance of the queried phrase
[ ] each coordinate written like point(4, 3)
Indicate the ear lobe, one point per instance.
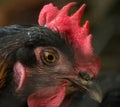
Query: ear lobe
point(19, 75)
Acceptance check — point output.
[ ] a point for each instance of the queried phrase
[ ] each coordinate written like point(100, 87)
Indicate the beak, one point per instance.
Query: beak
point(91, 88)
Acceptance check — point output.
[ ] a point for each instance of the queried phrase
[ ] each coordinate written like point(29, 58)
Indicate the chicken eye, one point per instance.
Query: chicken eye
point(49, 57)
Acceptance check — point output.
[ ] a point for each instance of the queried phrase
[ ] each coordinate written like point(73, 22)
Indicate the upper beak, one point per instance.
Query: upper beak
point(90, 87)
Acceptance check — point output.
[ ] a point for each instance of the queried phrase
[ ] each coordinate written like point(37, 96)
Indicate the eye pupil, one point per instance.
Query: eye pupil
point(50, 57)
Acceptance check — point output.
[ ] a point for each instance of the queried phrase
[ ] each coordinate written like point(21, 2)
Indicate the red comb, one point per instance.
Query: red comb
point(59, 20)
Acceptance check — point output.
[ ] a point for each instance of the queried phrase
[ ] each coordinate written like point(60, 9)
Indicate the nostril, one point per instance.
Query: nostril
point(84, 75)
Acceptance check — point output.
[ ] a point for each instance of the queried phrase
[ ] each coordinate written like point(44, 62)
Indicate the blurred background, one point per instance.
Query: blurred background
point(104, 17)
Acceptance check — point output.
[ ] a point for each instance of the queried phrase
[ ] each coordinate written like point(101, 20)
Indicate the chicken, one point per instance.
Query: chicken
point(43, 65)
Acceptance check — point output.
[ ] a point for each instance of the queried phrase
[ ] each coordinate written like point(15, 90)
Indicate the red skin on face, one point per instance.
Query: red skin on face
point(59, 20)
point(47, 97)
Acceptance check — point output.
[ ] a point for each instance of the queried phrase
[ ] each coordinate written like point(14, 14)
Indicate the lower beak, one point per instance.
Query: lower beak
point(87, 86)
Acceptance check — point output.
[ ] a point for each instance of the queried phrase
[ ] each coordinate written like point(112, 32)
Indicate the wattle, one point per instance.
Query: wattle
point(47, 97)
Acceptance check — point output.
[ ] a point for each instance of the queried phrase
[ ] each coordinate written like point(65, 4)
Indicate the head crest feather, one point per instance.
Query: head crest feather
point(55, 19)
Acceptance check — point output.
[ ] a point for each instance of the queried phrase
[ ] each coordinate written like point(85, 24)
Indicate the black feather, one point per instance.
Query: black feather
point(16, 36)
